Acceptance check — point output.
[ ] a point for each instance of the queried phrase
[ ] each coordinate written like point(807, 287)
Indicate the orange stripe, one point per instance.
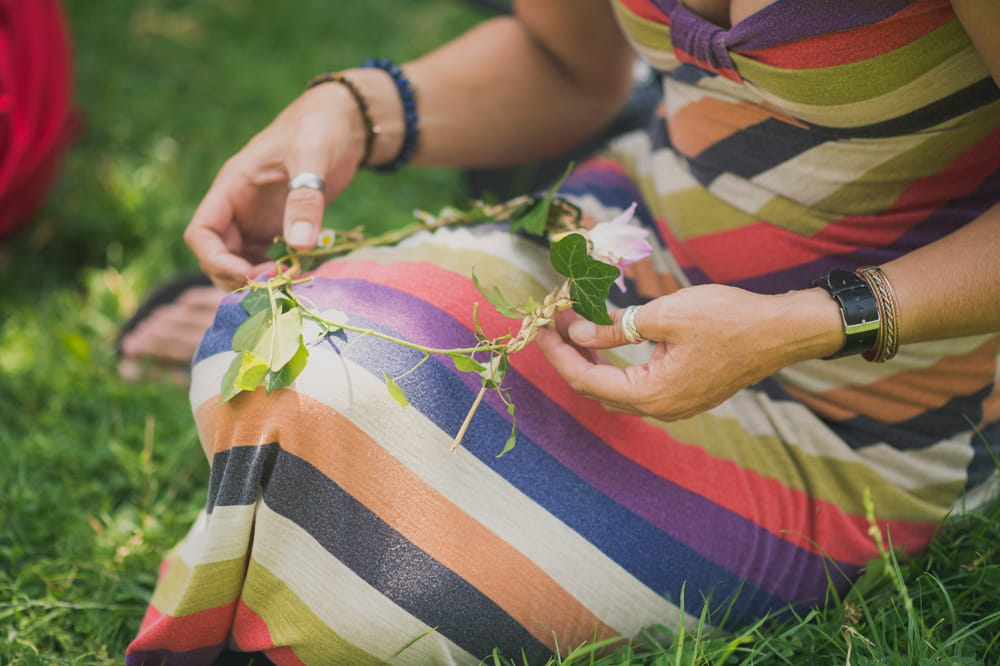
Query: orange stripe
point(703, 123)
point(305, 428)
point(909, 394)
point(842, 536)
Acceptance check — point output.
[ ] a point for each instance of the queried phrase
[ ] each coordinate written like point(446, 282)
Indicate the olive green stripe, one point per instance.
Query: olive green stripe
point(292, 623)
point(864, 80)
point(182, 590)
point(837, 481)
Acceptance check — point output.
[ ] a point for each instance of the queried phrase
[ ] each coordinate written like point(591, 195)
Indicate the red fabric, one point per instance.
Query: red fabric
point(35, 104)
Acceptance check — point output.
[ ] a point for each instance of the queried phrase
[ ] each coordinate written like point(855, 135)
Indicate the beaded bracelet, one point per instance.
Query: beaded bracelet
point(412, 128)
point(371, 130)
point(887, 342)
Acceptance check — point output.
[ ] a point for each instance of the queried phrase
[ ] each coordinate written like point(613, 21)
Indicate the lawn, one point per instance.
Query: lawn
point(99, 477)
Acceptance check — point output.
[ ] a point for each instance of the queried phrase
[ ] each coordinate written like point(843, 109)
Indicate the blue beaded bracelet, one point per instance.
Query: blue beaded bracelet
point(412, 131)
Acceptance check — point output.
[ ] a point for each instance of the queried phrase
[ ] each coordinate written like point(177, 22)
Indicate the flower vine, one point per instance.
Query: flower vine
point(272, 350)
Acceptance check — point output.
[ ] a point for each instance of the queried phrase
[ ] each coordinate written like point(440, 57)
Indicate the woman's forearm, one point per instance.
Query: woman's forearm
point(951, 287)
point(510, 90)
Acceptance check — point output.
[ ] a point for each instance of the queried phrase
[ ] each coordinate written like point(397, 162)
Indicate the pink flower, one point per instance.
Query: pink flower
point(619, 243)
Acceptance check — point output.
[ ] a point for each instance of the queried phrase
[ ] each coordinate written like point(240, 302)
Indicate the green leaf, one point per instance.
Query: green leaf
point(465, 363)
point(281, 340)
point(229, 390)
point(278, 250)
point(256, 301)
point(496, 298)
point(251, 371)
point(512, 440)
point(534, 217)
point(397, 393)
point(493, 375)
point(590, 279)
point(289, 371)
point(250, 332)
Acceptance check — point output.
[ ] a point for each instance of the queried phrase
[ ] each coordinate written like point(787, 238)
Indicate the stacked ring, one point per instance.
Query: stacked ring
point(629, 329)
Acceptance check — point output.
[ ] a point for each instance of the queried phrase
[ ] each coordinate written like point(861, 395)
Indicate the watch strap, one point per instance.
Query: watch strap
point(858, 310)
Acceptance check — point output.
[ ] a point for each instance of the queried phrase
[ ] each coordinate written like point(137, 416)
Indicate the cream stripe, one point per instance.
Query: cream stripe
point(819, 376)
point(599, 583)
point(942, 463)
point(957, 72)
point(810, 177)
point(229, 527)
point(356, 611)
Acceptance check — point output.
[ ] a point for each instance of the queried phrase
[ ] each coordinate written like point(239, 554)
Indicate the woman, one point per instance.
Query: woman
point(798, 143)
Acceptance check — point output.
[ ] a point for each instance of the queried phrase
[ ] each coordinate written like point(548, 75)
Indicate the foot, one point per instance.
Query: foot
point(162, 344)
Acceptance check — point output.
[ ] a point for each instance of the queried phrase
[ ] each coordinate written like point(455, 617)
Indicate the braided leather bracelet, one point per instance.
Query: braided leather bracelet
point(371, 130)
point(887, 342)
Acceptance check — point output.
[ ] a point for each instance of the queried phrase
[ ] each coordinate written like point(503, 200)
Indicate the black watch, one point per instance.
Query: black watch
point(858, 309)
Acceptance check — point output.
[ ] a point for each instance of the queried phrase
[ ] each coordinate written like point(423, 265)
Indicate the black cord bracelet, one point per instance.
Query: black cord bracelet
point(411, 134)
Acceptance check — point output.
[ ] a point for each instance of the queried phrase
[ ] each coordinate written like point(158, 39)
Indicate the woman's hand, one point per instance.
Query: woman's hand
point(249, 204)
point(712, 340)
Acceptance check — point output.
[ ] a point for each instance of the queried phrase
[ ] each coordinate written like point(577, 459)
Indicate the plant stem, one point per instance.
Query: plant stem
point(468, 419)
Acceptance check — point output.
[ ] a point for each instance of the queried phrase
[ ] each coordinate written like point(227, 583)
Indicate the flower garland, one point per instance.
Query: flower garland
point(271, 348)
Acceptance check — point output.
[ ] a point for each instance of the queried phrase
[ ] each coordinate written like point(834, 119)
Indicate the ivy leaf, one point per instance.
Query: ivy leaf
point(465, 363)
point(251, 371)
point(590, 279)
point(397, 393)
point(256, 301)
point(534, 216)
point(288, 372)
point(496, 298)
point(278, 249)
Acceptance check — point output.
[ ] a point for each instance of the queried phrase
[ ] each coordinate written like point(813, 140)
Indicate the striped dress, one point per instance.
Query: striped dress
point(338, 528)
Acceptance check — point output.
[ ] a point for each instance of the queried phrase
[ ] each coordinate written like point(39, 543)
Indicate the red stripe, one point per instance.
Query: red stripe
point(251, 633)
point(186, 633)
point(761, 248)
point(860, 43)
point(765, 502)
point(647, 10)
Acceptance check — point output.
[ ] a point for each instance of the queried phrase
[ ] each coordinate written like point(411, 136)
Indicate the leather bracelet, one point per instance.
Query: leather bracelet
point(888, 331)
point(858, 310)
point(371, 130)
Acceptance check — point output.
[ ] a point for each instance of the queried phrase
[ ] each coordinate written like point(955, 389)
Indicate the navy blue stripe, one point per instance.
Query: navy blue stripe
point(970, 98)
point(378, 554)
point(985, 454)
point(926, 429)
point(757, 148)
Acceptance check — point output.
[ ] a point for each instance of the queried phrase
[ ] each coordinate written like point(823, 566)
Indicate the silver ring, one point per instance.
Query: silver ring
point(629, 329)
point(307, 179)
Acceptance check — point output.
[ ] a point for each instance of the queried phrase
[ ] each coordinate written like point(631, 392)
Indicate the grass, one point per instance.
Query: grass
point(98, 477)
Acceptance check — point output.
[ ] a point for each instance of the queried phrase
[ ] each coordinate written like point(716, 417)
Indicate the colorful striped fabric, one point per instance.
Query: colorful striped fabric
point(338, 527)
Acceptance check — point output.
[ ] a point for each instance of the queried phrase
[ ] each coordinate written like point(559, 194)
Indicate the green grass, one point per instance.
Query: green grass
point(98, 477)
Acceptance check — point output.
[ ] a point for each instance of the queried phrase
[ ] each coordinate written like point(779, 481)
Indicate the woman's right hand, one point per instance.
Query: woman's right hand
point(249, 203)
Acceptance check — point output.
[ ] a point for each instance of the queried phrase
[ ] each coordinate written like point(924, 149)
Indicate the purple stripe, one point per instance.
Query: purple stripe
point(780, 22)
point(786, 21)
point(661, 502)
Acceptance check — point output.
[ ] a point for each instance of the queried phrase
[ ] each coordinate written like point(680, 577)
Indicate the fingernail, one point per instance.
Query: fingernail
point(582, 331)
point(300, 233)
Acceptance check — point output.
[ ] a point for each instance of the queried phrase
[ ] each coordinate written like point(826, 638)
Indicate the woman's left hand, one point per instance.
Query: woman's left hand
point(712, 340)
